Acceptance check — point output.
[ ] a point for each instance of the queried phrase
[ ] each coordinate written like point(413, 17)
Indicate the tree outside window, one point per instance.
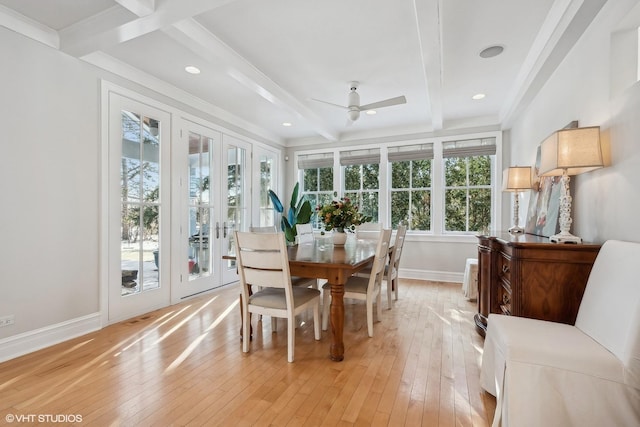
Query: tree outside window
point(362, 179)
point(317, 188)
point(316, 178)
point(361, 184)
point(467, 193)
point(411, 194)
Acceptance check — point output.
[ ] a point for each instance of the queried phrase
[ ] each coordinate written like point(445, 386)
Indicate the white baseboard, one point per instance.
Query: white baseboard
point(21, 344)
point(436, 276)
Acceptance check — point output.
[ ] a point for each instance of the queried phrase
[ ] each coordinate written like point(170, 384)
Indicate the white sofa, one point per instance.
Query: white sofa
point(552, 374)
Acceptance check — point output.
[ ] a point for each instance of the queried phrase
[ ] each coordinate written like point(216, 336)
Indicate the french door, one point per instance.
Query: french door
point(214, 190)
point(175, 192)
point(236, 181)
point(139, 208)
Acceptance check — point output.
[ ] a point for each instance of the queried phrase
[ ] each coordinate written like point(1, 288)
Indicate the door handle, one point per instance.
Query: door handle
point(217, 230)
point(224, 228)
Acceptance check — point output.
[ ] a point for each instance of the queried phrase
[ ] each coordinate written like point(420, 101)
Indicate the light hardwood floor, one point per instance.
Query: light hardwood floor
point(183, 365)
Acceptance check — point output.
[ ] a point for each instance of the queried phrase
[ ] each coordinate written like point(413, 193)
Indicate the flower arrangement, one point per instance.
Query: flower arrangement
point(341, 214)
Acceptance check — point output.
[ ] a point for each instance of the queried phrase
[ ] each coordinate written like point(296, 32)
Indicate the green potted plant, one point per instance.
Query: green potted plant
point(299, 212)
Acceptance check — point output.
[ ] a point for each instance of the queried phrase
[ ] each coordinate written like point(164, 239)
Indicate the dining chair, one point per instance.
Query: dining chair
point(364, 288)
point(295, 280)
point(304, 233)
point(588, 374)
point(392, 267)
point(263, 261)
point(368, 230)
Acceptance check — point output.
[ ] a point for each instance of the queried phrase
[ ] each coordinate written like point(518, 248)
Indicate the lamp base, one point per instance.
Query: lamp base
point(516, 230)
point(564, 237)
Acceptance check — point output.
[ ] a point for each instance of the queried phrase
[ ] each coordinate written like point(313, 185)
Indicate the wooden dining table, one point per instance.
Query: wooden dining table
point(335, 264)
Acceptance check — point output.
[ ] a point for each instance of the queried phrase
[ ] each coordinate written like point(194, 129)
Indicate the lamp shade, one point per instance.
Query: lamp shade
point(574, 150)
point(516, 178)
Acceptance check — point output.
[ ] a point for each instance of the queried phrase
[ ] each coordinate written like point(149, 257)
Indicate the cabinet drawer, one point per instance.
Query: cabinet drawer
point(504, 268)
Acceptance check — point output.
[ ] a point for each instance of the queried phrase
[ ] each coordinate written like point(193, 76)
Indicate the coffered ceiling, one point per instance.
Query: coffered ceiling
point(263, 62)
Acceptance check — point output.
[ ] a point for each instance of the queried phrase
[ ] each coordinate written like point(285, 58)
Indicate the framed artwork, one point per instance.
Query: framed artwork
point(544, 204)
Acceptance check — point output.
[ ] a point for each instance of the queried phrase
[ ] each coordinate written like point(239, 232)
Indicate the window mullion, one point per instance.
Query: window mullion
point(437, 186)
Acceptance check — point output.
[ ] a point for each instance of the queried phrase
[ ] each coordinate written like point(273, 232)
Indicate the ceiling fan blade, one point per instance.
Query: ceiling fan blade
point(330, 103)
point(386, 103)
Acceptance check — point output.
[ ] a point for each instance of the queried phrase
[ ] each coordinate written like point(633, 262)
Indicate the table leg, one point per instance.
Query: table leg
point(337, 322)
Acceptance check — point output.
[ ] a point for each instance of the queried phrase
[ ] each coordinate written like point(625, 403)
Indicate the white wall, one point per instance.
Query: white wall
point(49, 144)
point(50, 188)
point(606, 201)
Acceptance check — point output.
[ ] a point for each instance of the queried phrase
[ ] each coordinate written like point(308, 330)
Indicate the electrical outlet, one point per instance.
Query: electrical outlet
point(7, 320)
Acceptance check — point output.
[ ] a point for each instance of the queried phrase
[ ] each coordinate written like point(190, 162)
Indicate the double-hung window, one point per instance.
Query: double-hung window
point(435, 186)
point(317, 180)
point(362, 179)
point(467, 184)
point(410, 192)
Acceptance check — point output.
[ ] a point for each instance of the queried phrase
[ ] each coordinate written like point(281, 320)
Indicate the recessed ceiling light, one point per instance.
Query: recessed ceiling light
point(371, 112)
point(478, 96)
point(192, 70)
point(491, 51)
point(286, 124)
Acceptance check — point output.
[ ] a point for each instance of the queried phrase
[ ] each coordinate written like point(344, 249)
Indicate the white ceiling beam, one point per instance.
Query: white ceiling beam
point(563, 25)
point(428, 14)
point(205, 44)
point(95, 34)
point(19, 23)
point(139, 7)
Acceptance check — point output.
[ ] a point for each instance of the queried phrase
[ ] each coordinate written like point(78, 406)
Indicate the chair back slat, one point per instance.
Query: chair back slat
point(267, 229)
point(265, 278)
point(263, 259)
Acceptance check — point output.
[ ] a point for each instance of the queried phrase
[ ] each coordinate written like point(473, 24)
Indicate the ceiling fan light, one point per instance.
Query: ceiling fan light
point(353, 114)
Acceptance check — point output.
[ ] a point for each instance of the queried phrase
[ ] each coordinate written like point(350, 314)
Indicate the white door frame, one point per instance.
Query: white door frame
point(121, 307)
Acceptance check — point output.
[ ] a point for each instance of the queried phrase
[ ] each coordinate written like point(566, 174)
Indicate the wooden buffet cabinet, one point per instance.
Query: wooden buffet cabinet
point(528, 276)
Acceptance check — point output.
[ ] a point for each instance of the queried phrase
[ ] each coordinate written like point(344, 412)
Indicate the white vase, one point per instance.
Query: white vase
point(339, 238)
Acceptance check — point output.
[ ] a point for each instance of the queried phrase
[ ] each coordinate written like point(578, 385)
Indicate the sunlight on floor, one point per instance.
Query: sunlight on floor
point(198, 340)
point(182, 322)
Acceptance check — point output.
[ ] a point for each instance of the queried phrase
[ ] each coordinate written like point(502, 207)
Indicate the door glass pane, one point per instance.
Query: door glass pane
point(200, 208)
point(140, 203)
point(236, 209)
point(266, 183)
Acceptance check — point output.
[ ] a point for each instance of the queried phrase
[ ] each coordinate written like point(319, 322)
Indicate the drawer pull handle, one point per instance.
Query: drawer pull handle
point(505, 268)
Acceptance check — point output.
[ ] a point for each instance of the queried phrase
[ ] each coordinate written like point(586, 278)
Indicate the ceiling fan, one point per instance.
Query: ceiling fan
point(354, 108)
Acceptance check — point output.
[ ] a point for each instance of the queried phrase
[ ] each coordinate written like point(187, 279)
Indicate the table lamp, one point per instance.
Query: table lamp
point(516, 179)
point(569, 152)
